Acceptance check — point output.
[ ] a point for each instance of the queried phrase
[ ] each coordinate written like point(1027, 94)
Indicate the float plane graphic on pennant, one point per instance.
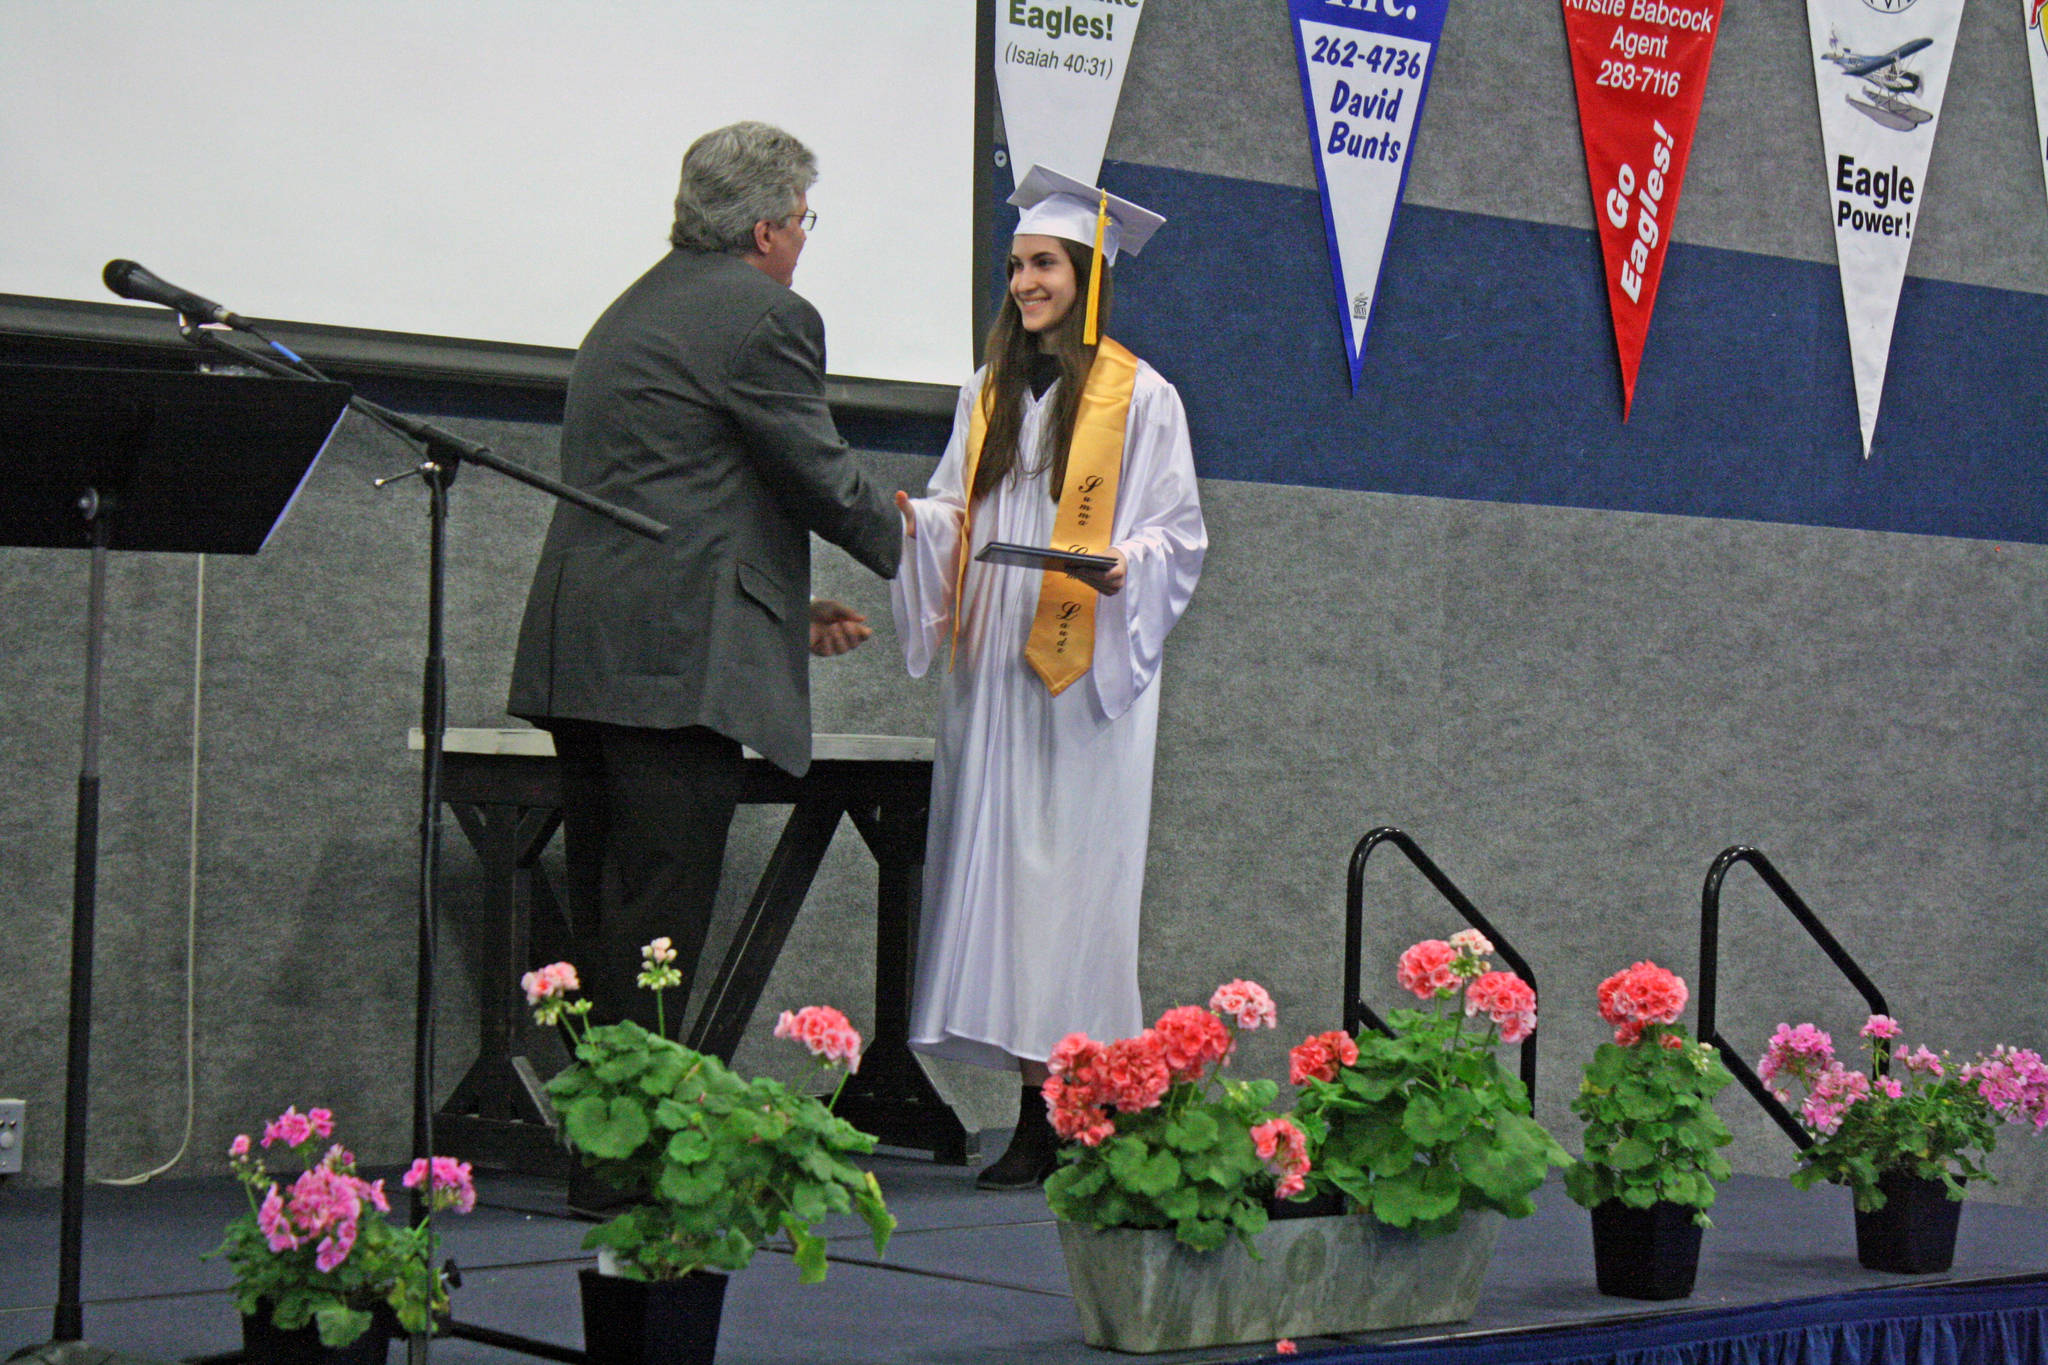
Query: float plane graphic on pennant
point(1880, 68)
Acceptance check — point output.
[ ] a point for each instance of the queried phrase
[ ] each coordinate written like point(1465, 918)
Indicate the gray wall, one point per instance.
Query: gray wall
point(1573, 710)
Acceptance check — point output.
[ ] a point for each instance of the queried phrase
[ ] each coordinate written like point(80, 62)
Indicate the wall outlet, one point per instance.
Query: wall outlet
point(13, 1123)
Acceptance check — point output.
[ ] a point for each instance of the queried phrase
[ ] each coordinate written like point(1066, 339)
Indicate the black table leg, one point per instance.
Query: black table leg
point(730, 1002)
point(498, 1113)
point(891, 1096)
point(509, 807)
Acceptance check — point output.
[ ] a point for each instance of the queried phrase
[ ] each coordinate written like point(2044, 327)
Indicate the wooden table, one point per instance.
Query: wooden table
point(504, 789)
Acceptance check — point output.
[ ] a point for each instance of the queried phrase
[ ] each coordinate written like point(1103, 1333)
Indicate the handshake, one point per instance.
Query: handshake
point(837, 628)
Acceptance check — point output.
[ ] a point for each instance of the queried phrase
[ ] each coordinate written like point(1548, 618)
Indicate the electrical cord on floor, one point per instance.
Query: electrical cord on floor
point(191, 892)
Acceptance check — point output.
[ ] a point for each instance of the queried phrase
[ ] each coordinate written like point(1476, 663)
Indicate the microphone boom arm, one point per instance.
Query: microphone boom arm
point(443, 447)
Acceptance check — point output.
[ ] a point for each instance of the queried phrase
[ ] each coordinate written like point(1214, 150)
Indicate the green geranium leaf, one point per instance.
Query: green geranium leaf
point(1154, 1176)
point(810, 1251)
point(689, 1146)
point(606, 1128)
point(1426, 1122)
point(1194, 1131)
point(1629, 1154)
point(1413, 1199)
point(689, 1185)
point(340, 1324)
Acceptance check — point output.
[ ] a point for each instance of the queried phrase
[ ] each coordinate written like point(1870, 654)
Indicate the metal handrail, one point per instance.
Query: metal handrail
point(1710, 953)
point(1356, 1011)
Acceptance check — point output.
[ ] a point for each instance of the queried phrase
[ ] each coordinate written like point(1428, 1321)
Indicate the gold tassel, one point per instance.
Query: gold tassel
point(1089, 334)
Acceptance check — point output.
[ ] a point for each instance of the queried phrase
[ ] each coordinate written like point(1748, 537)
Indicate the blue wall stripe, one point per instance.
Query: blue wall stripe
point(1490, 372)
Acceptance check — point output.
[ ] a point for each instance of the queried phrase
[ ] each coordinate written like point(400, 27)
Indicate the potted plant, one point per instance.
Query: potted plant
point(1423, 1130)
point(1907, 1147)
point(1421, 1124)
point(319, 1268)
point(714, 1165)
point(1162, 1191)
point(1652, 1152)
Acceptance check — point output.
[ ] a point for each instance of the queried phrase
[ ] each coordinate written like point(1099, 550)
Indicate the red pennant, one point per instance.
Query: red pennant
point(1641, 69)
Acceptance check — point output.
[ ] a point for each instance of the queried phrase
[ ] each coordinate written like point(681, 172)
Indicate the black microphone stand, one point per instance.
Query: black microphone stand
point(84, 444)
point(444, 453)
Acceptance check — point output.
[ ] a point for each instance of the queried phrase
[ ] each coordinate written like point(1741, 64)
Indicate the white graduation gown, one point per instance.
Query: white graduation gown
point(1041, 805)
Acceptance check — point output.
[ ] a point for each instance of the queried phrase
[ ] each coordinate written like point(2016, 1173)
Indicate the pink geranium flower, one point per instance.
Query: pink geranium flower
point(1473, 942)
point(335, 1247)
point(1802, 1052)
point(1428, 969)
point(2014, 1082)
point(1073, 1114)
point(1284, 1149)
point(1922, 1061)
point(275, 1226)
point(453, 1185)
point(1191, 1040)
point(1516, 1026)
point(1076, 1050)
point(1318, 1057)
point(1508, 1001)
point(1880, 1026)
point(1132, 1075)
point(294, 1129)
point(1834, 1090)
point(1247, 1002)
point(1638, 996)
point(825, 1031)
point(551, 982)
point(1071, 1101)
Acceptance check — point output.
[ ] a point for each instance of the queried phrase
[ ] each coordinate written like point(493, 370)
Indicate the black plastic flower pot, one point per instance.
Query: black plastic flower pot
point(1651, 1253)
point(263, 1343)
point(651, 1322)
point(1915, 1232)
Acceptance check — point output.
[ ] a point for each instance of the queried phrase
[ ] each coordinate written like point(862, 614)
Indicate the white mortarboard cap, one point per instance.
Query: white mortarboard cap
point(1056, 205)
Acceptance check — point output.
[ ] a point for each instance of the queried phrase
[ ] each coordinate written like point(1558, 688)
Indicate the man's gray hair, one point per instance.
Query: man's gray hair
point(735, 177)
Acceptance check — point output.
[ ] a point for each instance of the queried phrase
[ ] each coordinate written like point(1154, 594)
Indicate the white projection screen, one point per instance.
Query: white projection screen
point(496, 170)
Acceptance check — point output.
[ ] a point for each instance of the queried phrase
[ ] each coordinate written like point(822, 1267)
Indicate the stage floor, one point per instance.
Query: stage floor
point(969, 1277)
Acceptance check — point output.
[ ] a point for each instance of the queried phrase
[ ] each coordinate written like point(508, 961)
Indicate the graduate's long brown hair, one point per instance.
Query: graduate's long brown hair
point(1010, 349)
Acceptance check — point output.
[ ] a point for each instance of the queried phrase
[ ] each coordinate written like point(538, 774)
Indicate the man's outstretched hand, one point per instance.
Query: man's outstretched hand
point(836, 628)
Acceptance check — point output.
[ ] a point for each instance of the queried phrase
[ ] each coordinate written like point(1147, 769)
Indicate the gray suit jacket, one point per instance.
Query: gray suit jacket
point(698, 399)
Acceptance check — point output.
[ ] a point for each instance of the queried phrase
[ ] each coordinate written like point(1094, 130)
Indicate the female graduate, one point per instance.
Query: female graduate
point(1042, 789)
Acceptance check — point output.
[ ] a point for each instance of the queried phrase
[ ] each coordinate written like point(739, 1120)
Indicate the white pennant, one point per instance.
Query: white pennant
point(1060, 69)
point(1364, 73)
point(1880, 68)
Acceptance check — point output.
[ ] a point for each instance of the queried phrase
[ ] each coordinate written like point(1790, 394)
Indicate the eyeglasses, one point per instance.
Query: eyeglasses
point(806, 220)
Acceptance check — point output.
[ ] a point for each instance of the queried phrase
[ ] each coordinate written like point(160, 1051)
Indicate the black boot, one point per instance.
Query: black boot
point(1033, 1153)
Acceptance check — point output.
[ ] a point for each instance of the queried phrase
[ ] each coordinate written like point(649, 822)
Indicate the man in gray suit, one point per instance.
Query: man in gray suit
point(698, 399)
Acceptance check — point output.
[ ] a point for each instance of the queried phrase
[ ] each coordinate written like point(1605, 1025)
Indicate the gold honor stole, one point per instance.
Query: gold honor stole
point(1062, 643)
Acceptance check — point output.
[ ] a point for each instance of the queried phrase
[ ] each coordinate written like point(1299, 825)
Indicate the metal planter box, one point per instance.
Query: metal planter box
point(1139, 1290)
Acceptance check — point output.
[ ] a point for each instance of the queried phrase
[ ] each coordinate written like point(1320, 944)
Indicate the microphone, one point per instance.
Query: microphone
point(131, 281)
